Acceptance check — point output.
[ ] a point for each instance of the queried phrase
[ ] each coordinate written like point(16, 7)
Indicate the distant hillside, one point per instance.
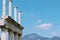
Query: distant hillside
point(34, 36)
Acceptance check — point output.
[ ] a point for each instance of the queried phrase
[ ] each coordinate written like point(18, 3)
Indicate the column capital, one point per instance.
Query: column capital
point(19, 34)
point(9, 30)
point(3, 29)
point(15, 32)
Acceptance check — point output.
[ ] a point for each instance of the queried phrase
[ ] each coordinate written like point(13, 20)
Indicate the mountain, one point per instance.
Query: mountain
point(55, 38)
point(34, 36)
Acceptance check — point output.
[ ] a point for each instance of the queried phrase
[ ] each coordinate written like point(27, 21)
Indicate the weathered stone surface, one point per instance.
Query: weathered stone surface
point(10, 24)
point(12, 27)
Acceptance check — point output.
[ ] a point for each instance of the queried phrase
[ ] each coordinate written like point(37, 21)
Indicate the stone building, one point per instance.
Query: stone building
point(9, 25)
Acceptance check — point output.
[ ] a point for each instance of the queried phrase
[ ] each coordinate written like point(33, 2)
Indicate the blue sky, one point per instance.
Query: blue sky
point(39, 16)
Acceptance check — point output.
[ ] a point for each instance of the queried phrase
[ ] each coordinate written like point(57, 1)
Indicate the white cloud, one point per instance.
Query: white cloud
point(44, 26)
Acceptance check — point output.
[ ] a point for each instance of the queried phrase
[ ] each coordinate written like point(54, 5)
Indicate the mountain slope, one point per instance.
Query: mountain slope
point(34, 36)
point(55, 38)
point(31, 37)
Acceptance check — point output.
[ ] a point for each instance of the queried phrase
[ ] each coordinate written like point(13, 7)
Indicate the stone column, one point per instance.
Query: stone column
point(0, 32)
point(19, 17)
point(19, 37)
point(10, 35)
point(10, 8)
point(15, 13)
point(4, 9)
point(3, 34)
point(15, 36)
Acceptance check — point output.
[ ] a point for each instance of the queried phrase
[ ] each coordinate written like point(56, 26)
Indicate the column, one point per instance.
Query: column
point(10, 8)
point(19, 37)
point(4, 9)
point(15, 13)
point(0, 32)
point(19, 17)
point(4, 34)
point(10, 35)
point(15, 36)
